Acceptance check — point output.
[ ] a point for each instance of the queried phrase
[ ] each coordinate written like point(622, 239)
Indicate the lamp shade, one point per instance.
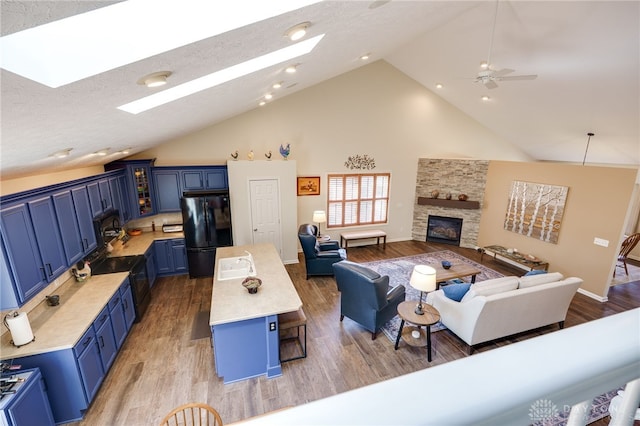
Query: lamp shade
point(319, 216)
point(423, 278)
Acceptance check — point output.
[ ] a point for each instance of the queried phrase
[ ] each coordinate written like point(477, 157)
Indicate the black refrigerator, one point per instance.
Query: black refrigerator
point(206, 219)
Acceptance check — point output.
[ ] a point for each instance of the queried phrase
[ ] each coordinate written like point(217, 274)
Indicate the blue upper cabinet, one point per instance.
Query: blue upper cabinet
point(67, 220)
point(140, 186)
point(24, 266)
point(205, 178)
point(82, 208)
point(216, 178)
point(167, 190)
point(100, 197)
point(48, 235)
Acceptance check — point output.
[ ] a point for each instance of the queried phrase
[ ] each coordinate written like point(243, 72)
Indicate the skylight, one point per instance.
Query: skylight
point(80, 46)
point(222, 76)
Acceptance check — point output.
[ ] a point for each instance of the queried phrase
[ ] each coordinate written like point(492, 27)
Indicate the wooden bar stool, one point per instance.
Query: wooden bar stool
point(288, 321)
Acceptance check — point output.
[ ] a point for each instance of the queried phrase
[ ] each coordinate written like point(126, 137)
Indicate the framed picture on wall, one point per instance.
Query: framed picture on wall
point(308, 185)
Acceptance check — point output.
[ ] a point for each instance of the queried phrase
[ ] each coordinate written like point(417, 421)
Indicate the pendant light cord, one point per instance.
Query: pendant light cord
point(587, 148)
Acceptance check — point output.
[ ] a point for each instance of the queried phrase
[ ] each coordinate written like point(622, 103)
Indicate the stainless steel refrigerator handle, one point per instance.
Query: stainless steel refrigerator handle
point(205, 211)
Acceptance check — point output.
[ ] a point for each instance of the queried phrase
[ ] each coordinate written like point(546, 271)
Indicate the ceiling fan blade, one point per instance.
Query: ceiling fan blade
point(502, 72)
point(490, 84)
point(518, 77)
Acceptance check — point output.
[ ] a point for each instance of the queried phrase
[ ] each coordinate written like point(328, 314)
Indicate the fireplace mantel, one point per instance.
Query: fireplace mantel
point(454, 204)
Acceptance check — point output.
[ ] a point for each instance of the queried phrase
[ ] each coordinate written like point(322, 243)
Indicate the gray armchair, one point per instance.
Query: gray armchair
point(366, 297)
point(319, 256)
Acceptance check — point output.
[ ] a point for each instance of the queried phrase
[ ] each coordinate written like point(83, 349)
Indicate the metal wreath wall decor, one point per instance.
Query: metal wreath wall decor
point(535, 210)
point(360, 162)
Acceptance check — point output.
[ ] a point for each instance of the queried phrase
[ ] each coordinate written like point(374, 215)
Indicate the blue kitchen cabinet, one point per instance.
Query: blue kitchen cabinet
point(23, 263)
point(125, 207)
point(48, 237)
point(140, 189)
point(89, 364)
point(171, 257)
point(167, 190)
point(179, 254)
point(100, 197)
point(162, 253)
point(106, 340)
point(203, 178)
point(118, 322)
point(69, 226)
point(82, 208)
point(216, 178)
point(30, 404)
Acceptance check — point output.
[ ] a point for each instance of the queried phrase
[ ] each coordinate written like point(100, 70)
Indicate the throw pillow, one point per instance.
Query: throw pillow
point(535, 272)
point(456, 291)
point(534, 280)
point(489, 287)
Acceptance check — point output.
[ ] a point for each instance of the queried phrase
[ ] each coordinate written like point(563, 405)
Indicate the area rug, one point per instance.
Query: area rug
point(399, 272)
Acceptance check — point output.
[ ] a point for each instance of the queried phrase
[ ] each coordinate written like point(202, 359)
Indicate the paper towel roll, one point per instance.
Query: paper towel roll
point(20, 328)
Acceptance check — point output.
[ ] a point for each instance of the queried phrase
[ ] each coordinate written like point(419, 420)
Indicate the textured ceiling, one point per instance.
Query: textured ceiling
point(586, 55)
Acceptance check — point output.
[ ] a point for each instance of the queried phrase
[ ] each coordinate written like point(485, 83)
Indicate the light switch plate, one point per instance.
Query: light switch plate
point(601, 242)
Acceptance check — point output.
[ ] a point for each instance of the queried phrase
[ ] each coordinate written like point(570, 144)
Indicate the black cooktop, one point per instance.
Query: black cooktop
point(112, 265)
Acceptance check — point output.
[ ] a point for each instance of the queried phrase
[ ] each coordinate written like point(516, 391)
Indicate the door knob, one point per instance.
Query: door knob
point(255, 229)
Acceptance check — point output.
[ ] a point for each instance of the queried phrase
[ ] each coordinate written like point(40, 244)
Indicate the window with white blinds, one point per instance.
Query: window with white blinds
point(358, 199)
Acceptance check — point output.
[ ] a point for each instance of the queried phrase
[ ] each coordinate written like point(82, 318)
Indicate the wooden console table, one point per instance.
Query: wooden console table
point(524, 261)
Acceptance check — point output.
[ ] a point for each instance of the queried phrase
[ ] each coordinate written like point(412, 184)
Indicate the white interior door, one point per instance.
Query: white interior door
point(265, 212)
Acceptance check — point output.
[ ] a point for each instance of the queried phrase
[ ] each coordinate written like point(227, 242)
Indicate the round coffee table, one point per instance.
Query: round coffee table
point(406, 312)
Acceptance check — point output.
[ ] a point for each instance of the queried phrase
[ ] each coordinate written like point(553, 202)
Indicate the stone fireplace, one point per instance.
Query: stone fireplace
point(445, 230)
point(455, 177)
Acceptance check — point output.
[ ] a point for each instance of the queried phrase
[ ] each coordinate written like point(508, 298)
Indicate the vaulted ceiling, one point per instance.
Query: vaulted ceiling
point(586, 55)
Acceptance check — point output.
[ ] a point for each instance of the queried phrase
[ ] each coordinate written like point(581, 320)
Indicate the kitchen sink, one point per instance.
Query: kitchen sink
point(236, 267)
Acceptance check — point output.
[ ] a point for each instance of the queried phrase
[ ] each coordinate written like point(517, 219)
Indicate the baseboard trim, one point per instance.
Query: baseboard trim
point(593, 295)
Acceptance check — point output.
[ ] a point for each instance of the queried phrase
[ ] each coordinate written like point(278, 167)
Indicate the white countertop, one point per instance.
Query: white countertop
point(231, 302)
point(60, 327)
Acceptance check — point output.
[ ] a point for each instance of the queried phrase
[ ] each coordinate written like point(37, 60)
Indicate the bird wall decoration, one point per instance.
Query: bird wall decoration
point(285, 151)
point(234, 155)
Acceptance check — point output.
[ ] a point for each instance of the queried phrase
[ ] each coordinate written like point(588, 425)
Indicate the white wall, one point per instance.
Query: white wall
point(240, 173)
point(374, 110)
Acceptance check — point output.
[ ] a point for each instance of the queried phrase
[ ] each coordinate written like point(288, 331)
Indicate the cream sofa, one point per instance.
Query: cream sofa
point(504, 306)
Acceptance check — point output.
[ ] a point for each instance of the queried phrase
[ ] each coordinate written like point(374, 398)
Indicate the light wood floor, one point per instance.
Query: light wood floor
point(163, 363)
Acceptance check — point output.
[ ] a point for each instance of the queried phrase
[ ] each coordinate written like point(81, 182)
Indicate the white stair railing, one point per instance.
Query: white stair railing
point(516, 384)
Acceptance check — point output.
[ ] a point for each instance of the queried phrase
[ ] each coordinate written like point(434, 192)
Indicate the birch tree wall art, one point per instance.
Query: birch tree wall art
point(535, 210)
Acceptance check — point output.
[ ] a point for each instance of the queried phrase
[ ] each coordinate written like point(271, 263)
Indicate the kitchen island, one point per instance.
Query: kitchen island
point(244, 326)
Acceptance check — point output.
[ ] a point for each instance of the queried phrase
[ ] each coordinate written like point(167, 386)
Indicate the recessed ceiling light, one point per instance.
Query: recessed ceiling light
point(484, 65)
point(277, 85)
point(62, 153)
point(296, 32)
point(486, 98)
point(156, 79)
point(102, 152)
point(365, 57)
point(87, 44)
point(439, 86)
point(268, 96)
point(222, 76)
point(125, 151)
point(291, 69)
point(262, 103)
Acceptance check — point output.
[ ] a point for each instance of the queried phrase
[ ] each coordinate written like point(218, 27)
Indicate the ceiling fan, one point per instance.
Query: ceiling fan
point(488, 75)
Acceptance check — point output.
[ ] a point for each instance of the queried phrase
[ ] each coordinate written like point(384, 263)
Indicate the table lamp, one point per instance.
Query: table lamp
point(423, 278)
point(319, 216)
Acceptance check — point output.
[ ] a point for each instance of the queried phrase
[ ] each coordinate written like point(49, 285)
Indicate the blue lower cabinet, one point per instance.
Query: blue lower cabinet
point(116, 313)
point(106, 340)
point(171, 257)
point(127, 304)
point(29, 405)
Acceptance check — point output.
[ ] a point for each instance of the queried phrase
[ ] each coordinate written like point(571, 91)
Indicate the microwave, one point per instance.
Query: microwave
point(107, 227)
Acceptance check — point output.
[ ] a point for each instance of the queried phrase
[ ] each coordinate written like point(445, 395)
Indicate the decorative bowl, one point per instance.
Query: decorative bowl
point(252, 284)
point(134, 232)
point(446, 264)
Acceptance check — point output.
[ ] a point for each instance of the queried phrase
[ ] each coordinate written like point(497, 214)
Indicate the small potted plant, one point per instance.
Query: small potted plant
point(252, 284)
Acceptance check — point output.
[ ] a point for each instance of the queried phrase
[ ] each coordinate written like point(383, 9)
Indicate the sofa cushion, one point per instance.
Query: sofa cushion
point(489, 287)
point(456, 291)
point(534, 280)
point(535, 272)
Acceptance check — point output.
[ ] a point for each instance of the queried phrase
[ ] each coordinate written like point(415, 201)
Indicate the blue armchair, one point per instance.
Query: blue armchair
point(366, 297)
point(319, 256)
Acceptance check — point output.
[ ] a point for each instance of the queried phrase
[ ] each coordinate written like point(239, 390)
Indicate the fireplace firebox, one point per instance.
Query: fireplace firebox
point(442, 229)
